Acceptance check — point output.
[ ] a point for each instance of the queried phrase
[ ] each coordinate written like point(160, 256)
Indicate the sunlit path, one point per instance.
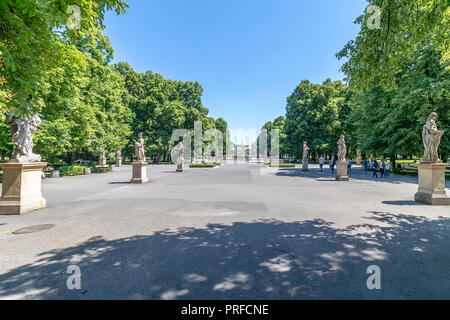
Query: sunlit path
point(232, 232)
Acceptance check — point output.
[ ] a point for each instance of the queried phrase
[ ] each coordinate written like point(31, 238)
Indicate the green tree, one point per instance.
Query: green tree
point(376, 56)
point(31, 34)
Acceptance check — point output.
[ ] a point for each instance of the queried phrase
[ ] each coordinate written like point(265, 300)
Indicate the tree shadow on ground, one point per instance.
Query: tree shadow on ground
point(404, 203)
point(263, 259)
point(356, 174)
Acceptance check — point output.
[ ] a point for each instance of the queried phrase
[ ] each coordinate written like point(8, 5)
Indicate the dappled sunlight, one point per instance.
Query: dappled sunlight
point(264, 259)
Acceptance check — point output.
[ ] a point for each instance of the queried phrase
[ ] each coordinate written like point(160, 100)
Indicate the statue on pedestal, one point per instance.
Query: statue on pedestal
point(342, 149)
point(102, 159)
point(180, 160)
point(431, 139)
point(305, 157)
point(305, 152)
point(139, 148)
point(23, 130)
point(118, 158)
point(358, 156)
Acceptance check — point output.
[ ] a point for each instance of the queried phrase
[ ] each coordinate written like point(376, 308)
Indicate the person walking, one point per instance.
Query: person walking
point(374, 167)
point(332, 164)
point(349, 166)
point(365, 165)
point(382, 167)
point(321, 162)
point(386, 170)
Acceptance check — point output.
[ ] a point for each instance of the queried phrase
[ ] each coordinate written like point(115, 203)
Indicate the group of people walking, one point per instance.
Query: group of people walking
point(373, 165)
point(382, 167)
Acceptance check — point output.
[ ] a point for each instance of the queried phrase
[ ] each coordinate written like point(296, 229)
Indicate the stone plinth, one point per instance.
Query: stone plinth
point(139, 172)
point(180, 165)
point(432, 184)
point(342, 174)
point(21, 187)
point(118, 162)
point(102, 161)
point(305, 166)
point(87, 170)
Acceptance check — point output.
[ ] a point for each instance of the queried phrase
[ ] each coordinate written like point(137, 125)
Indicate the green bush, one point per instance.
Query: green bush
point(74, 170)
point(284, 165)
point(202, 165)
point(101, 170)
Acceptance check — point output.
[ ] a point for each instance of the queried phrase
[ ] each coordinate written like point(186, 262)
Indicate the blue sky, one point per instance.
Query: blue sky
point(248, 55)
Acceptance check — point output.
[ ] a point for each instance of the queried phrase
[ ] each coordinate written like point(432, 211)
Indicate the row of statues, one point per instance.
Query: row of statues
point(23, 130)
point(431, 137)
point(342, 150)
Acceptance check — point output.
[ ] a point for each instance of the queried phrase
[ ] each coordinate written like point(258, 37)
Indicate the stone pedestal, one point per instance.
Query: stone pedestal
point(87, 170)
point(305, 166)
point(139, 172)
point(342, 174)
point(358, 157)
point(21, 187)
point(102, 161)
point(118, 162)
point(432, 184)
point(180, 165)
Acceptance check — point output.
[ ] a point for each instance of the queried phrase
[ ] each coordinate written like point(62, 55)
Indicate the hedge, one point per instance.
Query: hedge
point(202, 165)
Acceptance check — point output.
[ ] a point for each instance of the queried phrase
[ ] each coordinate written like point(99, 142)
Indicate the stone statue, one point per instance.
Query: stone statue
point(23, 130)
point(305, 157)
point(118, 158)
point(431, 139)
point(102, 153)
point(305, 152)
point(180, 160)
point(102, 159)
point(342, 149)
point(181, 151)
point(139, 148)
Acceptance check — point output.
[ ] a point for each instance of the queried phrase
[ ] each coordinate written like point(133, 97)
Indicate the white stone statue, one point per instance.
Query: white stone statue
point(305, 152)
point(23, 130)
point(431, 139)
point(139, 148)
point(102, 153)
point(118, 154)
point(180, 160)
point(342, 149)
point(181, 151)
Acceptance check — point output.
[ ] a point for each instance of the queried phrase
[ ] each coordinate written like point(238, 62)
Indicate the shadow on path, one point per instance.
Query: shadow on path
point(357, 174)
point(263, 259)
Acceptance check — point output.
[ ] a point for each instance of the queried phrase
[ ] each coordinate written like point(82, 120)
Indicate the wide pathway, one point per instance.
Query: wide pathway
point(233, 232)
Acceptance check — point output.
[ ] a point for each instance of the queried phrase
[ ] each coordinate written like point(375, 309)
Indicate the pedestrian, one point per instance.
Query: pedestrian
point(382, 167)
point(374, 167)
point(332, 164)
point(349, 166)
point(365, 165)
point(386, 170)
point(321, 162)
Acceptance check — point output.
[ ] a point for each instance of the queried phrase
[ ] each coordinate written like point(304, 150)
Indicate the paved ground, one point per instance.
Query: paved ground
point(233, 232)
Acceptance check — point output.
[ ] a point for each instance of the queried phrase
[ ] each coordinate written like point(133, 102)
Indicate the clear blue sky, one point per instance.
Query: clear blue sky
point(248, 55)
